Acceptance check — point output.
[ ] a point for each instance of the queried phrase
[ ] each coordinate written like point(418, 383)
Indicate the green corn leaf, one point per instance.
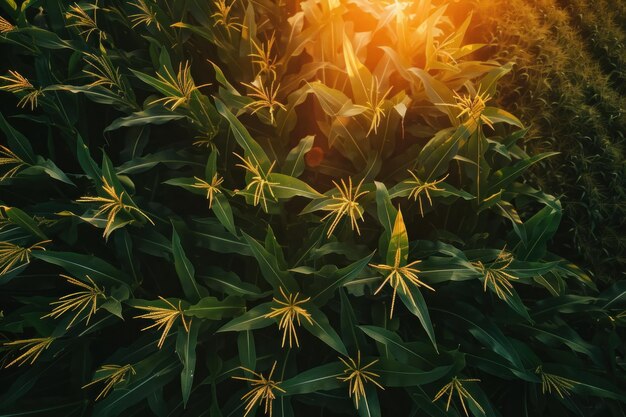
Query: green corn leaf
point(153, 243)
point(478, 169)
point(186, 271)
point(320, 378)
point(440, 269)
point(230, 283)
point(283, 407)
point(50, 169)
point(434, 158)
point(502, 178)
point(420, 310)
point(221, 78)
point(352, 338)
point(211, 308)
point(274, 248)
point(270, 269)
point(327, 287)
point(497, 115)
point(109, 174)
point(398, 374)
point(321, 328)
point(246, 349)
point(26, 222)
point(565, 304)
point(250, 147)
point(493, 364)
point(113, 303)
point(294, 162)
point(563, 334)
point(46, 39)
point(86, 162)
point(286, 120)
point(385, 210)
point(369, 405)
point(97, 94)
point(17, 142)
point(186, 349)
point(515, 302)
point(124, 248)
point(539, 230)
point(154, 115)
point(393, 345)
point(484, 331)
point(168, 157)
point(213, 236)
point(205, 33)
point(157, 84)
point(250, 320)
point(287, 187)
point(224, 213)
point(153, 373)
point(79, 266)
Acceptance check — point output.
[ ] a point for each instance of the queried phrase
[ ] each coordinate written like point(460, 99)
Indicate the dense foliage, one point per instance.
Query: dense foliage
point(571, 65)
point(290, 208)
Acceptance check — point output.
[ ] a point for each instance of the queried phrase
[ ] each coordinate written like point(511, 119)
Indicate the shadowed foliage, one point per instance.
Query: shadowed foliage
point(309, 208)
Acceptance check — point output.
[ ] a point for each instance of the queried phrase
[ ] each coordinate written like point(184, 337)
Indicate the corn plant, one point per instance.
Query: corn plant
point(569, 68)
point(281, 208)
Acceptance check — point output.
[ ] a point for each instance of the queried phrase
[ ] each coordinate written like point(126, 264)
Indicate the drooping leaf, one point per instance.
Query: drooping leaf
point(321, 328)
point(26, 222)
point(294, 162)
point(79, 266)
point(153, 115)
point(168, 157)
point(502, 178)
point(438, 93)
point(18, 143)
point(287, 187)
point(50, 169)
